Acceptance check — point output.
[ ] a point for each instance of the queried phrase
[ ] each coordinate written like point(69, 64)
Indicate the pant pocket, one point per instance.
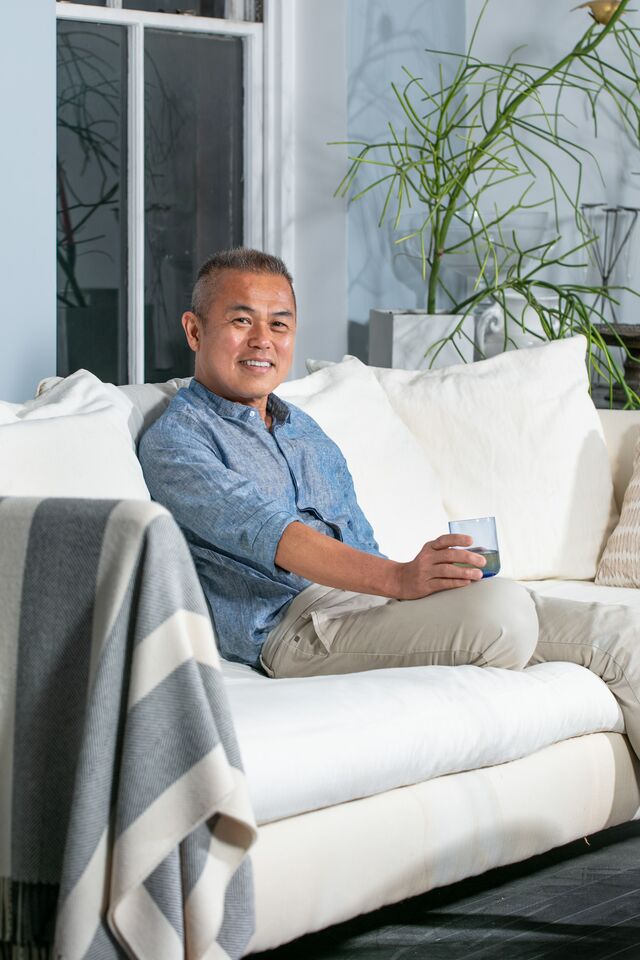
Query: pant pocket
point(296, 653)
point(308, 642)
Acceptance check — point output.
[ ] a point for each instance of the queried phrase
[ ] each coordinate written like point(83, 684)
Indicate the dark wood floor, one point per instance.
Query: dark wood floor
point(581, 902)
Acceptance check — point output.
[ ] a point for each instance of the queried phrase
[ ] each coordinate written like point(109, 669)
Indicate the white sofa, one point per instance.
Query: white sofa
point(375, 787)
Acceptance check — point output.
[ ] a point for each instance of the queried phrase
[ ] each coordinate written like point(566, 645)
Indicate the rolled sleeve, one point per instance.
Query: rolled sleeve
point(269, 536)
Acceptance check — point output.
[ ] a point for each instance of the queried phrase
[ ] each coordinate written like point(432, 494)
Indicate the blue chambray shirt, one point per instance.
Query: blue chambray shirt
point(233, 487)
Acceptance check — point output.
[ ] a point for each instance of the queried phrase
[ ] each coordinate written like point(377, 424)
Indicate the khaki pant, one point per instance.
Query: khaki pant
point(493, 622)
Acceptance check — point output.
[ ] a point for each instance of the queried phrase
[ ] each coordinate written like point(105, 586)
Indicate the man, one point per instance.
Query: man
point(288, 562)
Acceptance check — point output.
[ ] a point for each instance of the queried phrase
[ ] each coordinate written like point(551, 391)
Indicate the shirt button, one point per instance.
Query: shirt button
point(252, 414)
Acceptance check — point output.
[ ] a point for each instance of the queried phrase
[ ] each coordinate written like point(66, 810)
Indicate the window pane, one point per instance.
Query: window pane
point(229, 9)
point(91, 211)
point(193, 178)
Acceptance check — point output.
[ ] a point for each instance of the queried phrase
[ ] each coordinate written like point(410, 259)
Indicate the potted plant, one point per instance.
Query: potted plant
point(446, 164)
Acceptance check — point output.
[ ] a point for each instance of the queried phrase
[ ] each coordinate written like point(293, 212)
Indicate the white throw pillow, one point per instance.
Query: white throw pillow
point(394, 482)
point(518, 437)
point(73, 440)
point(148, 400)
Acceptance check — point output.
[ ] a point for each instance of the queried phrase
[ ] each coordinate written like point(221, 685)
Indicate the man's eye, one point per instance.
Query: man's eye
point(241, 320)
point(280, 323)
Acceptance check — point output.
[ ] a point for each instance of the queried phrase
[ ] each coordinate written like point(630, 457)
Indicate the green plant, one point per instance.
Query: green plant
point(487, 125)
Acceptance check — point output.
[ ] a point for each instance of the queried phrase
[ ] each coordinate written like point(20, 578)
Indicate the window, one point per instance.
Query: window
point(159, 165)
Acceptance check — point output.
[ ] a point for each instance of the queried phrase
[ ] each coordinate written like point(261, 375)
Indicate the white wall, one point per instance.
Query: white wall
point(28, 204)
point(549, 29)
point(347, 53)
point(384, 36)
point(320, 257)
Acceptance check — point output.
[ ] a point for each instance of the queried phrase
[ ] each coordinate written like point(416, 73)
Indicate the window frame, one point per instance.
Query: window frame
point(256, 103)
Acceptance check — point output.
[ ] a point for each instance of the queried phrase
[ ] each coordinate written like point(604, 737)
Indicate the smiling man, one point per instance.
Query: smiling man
point(288, 562)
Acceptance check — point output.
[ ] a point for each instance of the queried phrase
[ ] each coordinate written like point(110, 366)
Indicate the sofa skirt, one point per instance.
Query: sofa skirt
point(324, 867)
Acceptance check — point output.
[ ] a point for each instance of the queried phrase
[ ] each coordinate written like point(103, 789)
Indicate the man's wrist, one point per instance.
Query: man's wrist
point(390, 582)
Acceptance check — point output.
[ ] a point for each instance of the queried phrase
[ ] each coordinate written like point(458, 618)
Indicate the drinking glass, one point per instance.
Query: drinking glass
point(485, 541)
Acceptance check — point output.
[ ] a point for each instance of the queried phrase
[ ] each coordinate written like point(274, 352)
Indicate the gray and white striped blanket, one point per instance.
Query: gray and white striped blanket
point(124, 813)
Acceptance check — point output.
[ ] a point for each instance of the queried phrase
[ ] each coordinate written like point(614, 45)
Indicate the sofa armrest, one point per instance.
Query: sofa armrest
point(621, 431)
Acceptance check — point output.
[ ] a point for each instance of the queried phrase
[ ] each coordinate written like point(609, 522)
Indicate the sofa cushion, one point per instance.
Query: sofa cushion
point(518, 437)
point(361, 734)
point(620, 563)
point(73, 440)
point(394, 482)
point(148, 400)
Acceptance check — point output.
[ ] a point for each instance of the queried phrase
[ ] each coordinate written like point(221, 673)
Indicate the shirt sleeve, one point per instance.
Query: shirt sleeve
point(213, 504)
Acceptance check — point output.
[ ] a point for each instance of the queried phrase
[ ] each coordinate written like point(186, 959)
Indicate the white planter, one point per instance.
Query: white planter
point(400, 338)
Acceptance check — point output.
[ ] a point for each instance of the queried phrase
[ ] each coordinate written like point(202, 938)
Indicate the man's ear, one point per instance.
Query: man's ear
point(191, 327)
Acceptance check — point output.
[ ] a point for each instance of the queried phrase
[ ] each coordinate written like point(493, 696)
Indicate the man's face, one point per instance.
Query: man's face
point(244, 349)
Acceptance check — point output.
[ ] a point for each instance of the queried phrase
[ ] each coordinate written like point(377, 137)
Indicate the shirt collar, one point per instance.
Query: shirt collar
point(278, 409)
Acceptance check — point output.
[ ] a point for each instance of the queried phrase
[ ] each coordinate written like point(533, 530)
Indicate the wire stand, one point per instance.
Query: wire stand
point(612, 229)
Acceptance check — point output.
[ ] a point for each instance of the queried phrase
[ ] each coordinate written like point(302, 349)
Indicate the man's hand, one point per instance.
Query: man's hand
point(435, 569)
point(322, 559)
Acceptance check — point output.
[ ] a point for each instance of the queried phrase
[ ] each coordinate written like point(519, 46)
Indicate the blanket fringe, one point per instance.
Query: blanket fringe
point(27, 919)
point(10, 951)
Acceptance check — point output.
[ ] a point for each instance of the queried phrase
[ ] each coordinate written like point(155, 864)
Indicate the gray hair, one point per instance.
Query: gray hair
point(242, 259)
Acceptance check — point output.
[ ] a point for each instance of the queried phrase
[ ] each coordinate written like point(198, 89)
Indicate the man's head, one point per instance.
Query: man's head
point(242, 325)
point(242, 259)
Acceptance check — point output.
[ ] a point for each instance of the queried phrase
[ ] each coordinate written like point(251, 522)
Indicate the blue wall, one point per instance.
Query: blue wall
point(28, 197)
point(383, 37)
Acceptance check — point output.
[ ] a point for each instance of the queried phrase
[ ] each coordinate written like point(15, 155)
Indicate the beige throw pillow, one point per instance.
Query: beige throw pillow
point(620, 562)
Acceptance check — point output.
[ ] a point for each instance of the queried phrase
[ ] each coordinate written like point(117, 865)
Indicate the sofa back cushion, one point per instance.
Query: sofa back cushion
point(393, 479)
point(621, 433)
point(147, 400)
point(73, 440)
point(518, 437)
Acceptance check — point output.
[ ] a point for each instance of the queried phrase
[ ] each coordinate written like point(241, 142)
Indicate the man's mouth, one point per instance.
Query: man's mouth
point(256, 363)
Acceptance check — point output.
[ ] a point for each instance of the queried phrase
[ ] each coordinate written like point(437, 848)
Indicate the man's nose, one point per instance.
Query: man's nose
point(260, 335)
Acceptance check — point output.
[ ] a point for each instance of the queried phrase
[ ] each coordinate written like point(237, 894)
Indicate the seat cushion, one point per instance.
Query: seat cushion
point(314, 742)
